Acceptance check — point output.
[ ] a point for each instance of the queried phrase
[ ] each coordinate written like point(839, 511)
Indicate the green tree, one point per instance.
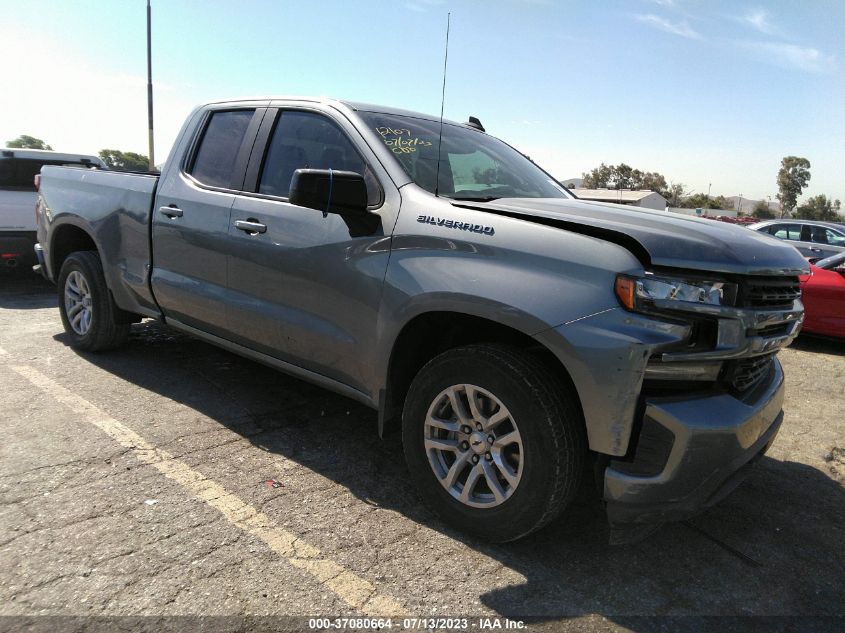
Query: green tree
point(124, 161)
point(793, 176)
point(598, 178)
point(820, 208)
point(24, 141)
point(675, 194)
point(624, 176)
point(762, 210)
point(652, 181)
point(703, 201)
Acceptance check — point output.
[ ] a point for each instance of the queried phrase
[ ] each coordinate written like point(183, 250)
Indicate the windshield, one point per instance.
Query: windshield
point(473, 165)
point(833, 238)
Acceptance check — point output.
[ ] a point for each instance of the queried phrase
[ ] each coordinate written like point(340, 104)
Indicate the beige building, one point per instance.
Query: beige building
point(645, 199)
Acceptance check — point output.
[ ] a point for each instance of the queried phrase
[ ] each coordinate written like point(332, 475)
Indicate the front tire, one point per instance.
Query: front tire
point(89, 315)
point(493, 441)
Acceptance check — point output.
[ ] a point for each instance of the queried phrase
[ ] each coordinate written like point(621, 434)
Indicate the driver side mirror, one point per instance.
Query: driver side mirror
point(329, 191)
point(340, 192)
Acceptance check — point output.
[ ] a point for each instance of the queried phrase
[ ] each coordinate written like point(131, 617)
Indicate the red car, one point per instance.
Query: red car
point(823, 295)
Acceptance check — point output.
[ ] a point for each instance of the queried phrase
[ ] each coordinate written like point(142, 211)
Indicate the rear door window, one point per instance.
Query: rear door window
point(819, 234)
point(214, 161)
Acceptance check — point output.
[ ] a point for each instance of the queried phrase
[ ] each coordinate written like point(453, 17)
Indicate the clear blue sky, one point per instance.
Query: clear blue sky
point(703, 92)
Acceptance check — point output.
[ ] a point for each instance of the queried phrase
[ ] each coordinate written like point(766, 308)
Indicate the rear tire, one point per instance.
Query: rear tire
point(522, 462)
point(89, 315)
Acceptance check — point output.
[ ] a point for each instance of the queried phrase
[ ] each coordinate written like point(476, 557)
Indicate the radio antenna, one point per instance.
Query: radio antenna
point(442, 103)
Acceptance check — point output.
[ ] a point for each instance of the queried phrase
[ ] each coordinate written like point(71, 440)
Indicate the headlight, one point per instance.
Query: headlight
point(638, 293)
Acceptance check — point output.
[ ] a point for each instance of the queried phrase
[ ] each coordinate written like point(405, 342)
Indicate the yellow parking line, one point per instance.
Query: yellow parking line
point(348, 586)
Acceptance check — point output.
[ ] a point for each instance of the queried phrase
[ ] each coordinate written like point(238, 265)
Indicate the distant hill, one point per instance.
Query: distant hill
point(748, 205)
point(572, 182)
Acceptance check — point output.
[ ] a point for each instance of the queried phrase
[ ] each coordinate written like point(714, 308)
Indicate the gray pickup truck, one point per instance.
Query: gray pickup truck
point(520, 338)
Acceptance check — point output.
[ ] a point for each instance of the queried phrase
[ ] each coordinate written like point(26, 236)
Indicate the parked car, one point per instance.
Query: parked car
point(823, 296)
point(815, 240)
point(18, 168)
point(509, 330)
point(733, 220)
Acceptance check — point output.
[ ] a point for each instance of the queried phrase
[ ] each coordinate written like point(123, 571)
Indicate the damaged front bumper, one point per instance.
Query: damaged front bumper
point(678, 403)
point(692, 451)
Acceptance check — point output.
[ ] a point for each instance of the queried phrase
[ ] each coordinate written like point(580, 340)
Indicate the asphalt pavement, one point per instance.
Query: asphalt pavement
point(171, 478)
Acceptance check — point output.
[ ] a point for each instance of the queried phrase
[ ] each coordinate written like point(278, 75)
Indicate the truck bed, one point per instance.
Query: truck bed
point(114, 208)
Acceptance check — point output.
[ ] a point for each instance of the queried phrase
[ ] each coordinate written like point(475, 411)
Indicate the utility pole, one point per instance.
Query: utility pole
point(708, 189)
point(150, 86)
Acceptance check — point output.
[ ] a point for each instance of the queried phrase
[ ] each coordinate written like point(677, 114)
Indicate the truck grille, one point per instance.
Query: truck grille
point(747, 372)
point(770, 292)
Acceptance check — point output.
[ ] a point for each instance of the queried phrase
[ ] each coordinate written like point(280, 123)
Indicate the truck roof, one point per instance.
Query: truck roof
point(369, 107)
point(340, 103)
point(44, 154)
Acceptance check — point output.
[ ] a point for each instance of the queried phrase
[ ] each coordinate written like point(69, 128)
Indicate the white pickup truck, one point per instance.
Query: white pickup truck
point(18, 168)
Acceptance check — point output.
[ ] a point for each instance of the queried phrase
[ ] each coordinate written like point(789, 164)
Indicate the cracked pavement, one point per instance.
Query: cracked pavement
point(93, 527)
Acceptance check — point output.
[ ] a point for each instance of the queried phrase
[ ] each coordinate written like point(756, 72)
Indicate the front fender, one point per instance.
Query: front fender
point(606, 355)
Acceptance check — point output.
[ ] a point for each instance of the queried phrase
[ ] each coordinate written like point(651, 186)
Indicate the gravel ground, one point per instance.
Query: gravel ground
point(107, 460)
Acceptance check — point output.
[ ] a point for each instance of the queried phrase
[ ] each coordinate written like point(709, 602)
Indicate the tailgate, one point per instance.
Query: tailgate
point(17, 210)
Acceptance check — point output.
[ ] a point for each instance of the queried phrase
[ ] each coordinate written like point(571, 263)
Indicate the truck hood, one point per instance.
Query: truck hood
point(661, 238)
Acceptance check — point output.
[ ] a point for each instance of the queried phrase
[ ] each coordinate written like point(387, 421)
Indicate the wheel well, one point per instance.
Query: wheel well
point(68, 239)
point(431, 334)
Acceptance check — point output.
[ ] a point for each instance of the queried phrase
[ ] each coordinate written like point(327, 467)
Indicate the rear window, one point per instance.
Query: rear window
point(18, 174)
point(215, 159)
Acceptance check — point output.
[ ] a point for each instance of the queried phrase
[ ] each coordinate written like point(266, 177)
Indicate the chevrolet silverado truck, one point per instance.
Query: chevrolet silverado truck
point(520, 338)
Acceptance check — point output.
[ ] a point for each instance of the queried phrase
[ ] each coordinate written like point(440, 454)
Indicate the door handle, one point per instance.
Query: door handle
point(171, 212)
point(250, 226)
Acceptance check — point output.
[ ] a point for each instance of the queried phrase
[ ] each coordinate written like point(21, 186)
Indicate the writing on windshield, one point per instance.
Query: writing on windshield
point(473, 165)
point(399, 140)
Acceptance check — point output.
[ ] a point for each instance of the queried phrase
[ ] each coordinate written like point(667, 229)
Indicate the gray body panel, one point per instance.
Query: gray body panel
point(305, 291)
point(672, 240)
point(113, 208)
point(190, 273)
point(307, 297)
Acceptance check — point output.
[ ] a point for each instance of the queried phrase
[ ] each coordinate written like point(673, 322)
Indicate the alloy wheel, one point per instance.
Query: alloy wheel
point(473, 446)
point(78, 303)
